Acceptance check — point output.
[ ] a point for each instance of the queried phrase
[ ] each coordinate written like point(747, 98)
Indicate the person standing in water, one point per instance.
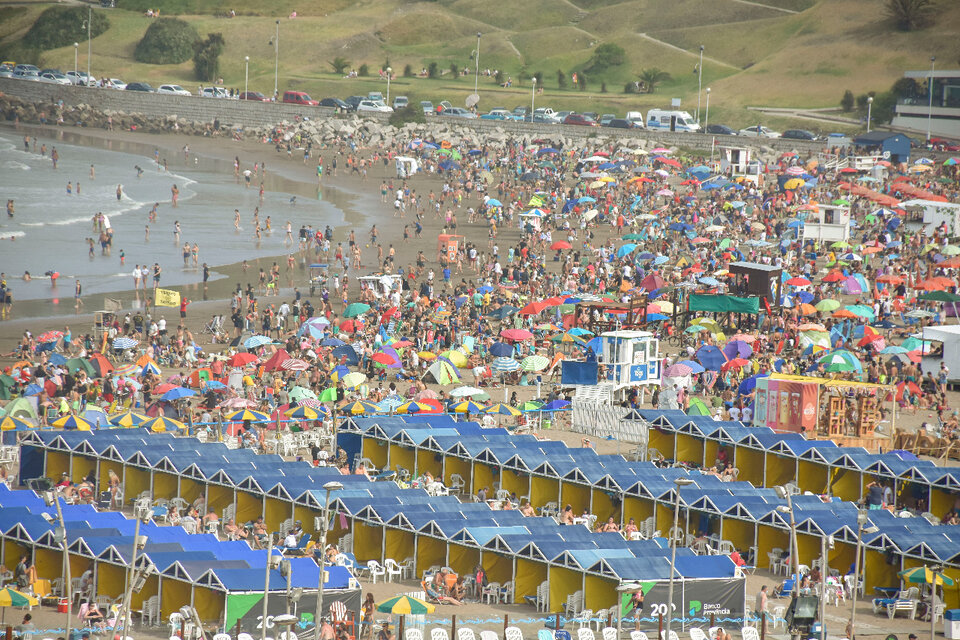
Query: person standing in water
point(54, 156)
point(77, 291)
point(119, 191)
point(93, 173)
point(236, 219)
point(176, 231)
point(174, 194)
point(10, 208)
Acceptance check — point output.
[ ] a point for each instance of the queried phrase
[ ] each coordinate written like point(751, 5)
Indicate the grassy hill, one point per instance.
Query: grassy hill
point(798, 53)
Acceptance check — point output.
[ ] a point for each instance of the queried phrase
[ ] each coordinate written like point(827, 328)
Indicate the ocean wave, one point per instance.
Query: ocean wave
point(8, 235)
point(110, 213)
point(13, 164)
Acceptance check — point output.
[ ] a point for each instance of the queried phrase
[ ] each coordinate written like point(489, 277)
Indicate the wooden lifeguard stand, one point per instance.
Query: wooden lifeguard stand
point(752, 279)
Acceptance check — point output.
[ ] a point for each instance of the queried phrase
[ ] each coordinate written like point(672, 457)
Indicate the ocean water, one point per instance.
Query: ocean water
point(50, 228)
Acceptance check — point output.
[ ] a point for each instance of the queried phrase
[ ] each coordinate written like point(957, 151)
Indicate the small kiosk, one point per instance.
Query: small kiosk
point(449, 244)
point(737, 162)
point(630, 358)
point(829, 223)
point(760, 280)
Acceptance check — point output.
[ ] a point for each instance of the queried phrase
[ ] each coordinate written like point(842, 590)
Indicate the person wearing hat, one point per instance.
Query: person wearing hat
point(385, 633)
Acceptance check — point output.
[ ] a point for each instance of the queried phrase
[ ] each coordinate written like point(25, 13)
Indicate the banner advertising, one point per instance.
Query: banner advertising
point(693, 600)
point(166, 298)
point(245, 610)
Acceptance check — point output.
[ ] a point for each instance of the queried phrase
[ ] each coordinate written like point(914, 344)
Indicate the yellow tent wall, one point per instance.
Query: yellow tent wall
point(367, 542)
point(49, 563)
point(845, 484)
point(529, 576)
point(842, 556)
point(429, 461)
point(576, 495)
point(463, 560)
point(563, 582)
point(173, 595)
point(779, 470)
point(662, 442)
point(136, 481)
point(812, 476)
point(544, 490)
point(484, 476)
point(376, 451)
point(306, 516)
point(398, 544)
point(689, 449)
point(430, 552)
point(602, 505)
point(515, 482)
point(209, 604)
point(79, 564)
point(750, 465)
point(275, 512)
point(458, 466)
point(877, 572)
point(249, 506)
point(111, 579)
point(637, 508)
point(165, 485)
point(103, 477)
point(402, 457)
point(80, 467)
point(941, 502)
point(219, 498)
point(498, 568)
point(191, 489)
point(741, 533)
point(56, 463)
point(12, 551)
point(769, 538)
point(809, 548)
point(710, 449)
point(599, 593)
point(951, 595)
point(150, 588)
point(665, 518)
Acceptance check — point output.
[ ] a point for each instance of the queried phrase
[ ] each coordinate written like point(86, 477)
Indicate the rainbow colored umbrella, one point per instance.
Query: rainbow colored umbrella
point(468, 406)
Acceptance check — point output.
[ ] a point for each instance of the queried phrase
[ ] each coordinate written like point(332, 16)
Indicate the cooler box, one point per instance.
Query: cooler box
point(62, 605)
point(951, 624)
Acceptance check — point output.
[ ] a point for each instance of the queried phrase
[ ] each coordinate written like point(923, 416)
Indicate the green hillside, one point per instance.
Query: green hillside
point(797, 53)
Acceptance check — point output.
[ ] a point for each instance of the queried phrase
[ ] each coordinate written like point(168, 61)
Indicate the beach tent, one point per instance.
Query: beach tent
point(22, 407)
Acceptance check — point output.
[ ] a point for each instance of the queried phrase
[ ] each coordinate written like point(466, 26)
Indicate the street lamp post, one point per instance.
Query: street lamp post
point(707, 123)
point(933, 63)
point(862, 520)
point(140, 515)
point(322, 540)
point(794, 550)
point(51, 500)
point(699, 82)
point(533, 97)
point(869, 111)
point(389, 73)
point(476, 77)
point(679, 482)
point(936, 570)
point(76, 59)
point(89, 24)
point(276, 62)
point(246, 75)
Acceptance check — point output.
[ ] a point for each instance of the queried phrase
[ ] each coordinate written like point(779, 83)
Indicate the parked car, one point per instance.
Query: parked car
point(6, 71)
point(798, 134)
point(442, 106)
point(138, 86)
point(50, 70)
point(520, 113)
point(458, 112)
point(374, 106)
point(117, 83)
point(427, 107)
point(591, 114)
point(214, 92)
point(498, 113)
point(759, 131)
point(546, 114)
point(401, 102)
point(26, 67)
point(335, 103)
point(636, 117)
point(840, 140)
point(173, 89)
point(671, 120)
point(580, 119)
point(26, 74)
point(353, 101)
point(621, 123)
point(253, 96)
point(721, 129)
point(80, 78)
point(54, 78)
point(605, 118)
point(376, 96)
point(299, 97)
point(561, 115)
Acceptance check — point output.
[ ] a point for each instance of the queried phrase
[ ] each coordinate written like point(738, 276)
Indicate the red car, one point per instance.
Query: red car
point(580, 120)
point(255, 96)
point(299, 97)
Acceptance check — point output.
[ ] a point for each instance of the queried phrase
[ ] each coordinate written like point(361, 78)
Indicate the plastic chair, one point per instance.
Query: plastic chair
point(393, 569)
point(413, 634)
point(609, 633)
point(585, 633)
point(638, 635)
point(438, 634)
point(513, 633)
point(544, 634)
point(749, 633)
point(376, 570)
point(697, 634)
point(465, 633)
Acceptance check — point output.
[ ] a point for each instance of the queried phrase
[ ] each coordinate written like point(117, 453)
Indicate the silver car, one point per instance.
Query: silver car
point(54, 78)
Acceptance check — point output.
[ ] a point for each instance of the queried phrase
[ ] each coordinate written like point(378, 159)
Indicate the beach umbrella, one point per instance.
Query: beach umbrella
point(516, 334)
point(458, 358)
point(359, 407)
point(13, 423)
point(560, 244)
point(303, 413)
point(677, 370)
point(626, 249)
point(839, 361)
point(347, 353)
point(862, 311)
point(695, 367)
point(356, 309)
point(736, 363)
point(403, 605)
point(245, 415)
point(749, 384)
point(128, 419)
point(462, 392)
point(177, 393)
point(242, 359)
point(534, 363)
point(49, 336)
point(162, 423)
point(298, 393)
point(13, 598)
point(555, 405)
point(255, 342)
point(737, 349)
point(467, 406)
point(72, 422)
point(353, 379)
point(711, 357)
point(827, 305)
point(502, 409)
point(443, 372)
point(295, 364)
point(531, 405)
point(504, 365)
point(384, 359)
point(414, 407)
point(501, 349)
point(390, 403)
point(923, 575)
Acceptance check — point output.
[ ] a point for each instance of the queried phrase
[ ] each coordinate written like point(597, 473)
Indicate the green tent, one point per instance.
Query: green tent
point(19, 408)
point(698, 408)
point(6, 383)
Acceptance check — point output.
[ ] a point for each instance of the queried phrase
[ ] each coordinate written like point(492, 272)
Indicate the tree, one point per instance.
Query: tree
point(407, 71)
point(652, 77)
point(454, 70)
point(206, 57)
point(606, 55)
point(339, 64)
point(364, 70)
point(582, 80)
point(905, 88)
point(499, 78)
point(62, 26)
point(539, 76)
point(433, 70)
point(561, 79)
point(166, 41)
point(846, 103)
point(909, 15)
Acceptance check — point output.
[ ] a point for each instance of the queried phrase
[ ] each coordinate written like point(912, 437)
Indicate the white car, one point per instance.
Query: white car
point(117, 83)
point(80, 78)
point(54, 78)
point(375, 106)
point(26, 74)
point(173, 89)
point(214, 92)
point(759, 131)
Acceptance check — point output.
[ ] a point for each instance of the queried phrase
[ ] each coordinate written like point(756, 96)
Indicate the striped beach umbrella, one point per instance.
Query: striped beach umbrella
point(125, 370)
point(534, 363)
point(468, 406)
point(245, 415)
point(13, 598)
point(359, 407)
point(162, 423)
point(12, 423)
point(128, 419)
point(504, 365)
point(502, 409)
point(403, 605)
point(72, 422)
point(414, 407)
point(303, 413)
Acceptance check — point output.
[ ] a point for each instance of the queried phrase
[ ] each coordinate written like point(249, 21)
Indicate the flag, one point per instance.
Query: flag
point(166, 298)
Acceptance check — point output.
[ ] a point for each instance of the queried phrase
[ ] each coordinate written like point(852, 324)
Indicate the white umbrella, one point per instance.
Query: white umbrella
point(463, 392)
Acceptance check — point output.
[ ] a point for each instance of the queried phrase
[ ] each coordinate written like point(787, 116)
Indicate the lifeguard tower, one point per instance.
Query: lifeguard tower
point(752, 279)
point(830, 223)
point(738, 162)
point(630, 358)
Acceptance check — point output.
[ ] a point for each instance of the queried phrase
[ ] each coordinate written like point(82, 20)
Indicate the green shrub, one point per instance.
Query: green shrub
point(408, 114)
point(407, 71)
point(167, 41)
point(206, 57)
point(433, 70)
point(62, 26)
point(364, 70)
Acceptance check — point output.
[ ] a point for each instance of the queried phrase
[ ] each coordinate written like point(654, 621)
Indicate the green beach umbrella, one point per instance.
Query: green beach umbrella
point(531, 405)
point(923, 575)
point(534, 363)
point(827, 305)
point(355, 309)
point(328, 395)
point(299, 393)
point(404, 605)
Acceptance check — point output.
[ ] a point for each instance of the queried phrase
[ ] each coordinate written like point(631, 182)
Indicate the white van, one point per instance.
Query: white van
point(635, 117)
point(671, 120)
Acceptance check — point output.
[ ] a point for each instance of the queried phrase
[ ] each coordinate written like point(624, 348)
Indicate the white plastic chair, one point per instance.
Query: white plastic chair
point(513, 633)
point(609, 633)
point(393, 569)
point(491, 593)
point(583, 620)
point(488, 635)
point(438, 634)
point(465, 633)
point(638, 635)
point(376, 570)
point(585, 633)
point(697, 634)
point(222, 636)
point(749, 633)
point(413, 634)
point(244, 636)
point(778, 617)
point(673, 635)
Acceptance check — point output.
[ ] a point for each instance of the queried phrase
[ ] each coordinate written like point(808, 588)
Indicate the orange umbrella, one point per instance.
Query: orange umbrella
point(929, 285)
point(807, 309)
point(843, 313)
point(890, 279)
